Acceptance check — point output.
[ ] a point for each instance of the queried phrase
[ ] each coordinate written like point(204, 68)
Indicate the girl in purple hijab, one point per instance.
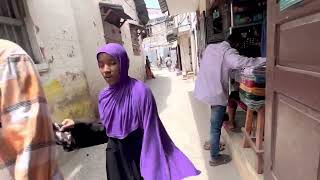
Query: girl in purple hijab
point(139, 146)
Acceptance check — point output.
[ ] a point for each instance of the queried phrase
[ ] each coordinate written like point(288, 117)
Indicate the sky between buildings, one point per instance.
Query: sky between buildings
point(152, 3)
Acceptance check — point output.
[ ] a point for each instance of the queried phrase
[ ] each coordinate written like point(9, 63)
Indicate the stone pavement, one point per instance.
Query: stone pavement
point(186, 120)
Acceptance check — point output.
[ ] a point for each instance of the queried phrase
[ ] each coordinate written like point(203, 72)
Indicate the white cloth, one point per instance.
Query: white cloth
point(212, 82)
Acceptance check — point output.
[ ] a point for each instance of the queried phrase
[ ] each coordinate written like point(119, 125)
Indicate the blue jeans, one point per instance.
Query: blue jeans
point(217, 115)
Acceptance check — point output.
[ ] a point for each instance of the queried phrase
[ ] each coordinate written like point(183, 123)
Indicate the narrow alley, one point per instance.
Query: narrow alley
point(185, 119)
point(71, 108)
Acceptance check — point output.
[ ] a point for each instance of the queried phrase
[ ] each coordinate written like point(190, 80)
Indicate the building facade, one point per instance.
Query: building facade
point(184, 30)
point(63, 36)
point(156, 45)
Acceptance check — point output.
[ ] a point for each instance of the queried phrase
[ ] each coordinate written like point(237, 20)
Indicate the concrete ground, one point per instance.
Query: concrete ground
point(186, 120)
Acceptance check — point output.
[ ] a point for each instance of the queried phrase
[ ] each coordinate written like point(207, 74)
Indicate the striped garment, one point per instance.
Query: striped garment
point(27, 150)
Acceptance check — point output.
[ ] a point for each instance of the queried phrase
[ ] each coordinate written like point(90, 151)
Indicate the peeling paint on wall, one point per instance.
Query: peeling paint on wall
point(53, 90)
point(68, 97)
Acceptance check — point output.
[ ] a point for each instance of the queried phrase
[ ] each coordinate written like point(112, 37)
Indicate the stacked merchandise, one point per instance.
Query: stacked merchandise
point(252, 86)
point(248, 16)
point(248, 11)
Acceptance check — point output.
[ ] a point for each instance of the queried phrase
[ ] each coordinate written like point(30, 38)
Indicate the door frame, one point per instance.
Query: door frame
point(275, 18)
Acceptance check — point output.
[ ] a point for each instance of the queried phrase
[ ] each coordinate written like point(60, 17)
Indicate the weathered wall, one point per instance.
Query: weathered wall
point(71, 32)
point(186, 60)
point(91, 37)
point(137, 63)
point(69, 97)
point(193, 52)
point(157, 46)
point(158, 38)
point(65, 83)
point(154, 13)
point(194, 43)
point(203, 5)
point(137, 69)
point(112, 33)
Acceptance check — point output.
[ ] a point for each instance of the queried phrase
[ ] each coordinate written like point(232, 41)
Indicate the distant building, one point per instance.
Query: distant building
point(156, 45)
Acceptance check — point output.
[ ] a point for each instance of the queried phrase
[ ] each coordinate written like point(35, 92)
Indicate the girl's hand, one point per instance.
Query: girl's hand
point(67, 124)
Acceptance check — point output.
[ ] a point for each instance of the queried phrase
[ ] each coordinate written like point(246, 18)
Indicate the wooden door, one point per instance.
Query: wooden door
point(292, 139)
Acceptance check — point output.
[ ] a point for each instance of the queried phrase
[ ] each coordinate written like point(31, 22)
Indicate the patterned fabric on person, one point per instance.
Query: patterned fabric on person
point(252, 86)
point(27, 150)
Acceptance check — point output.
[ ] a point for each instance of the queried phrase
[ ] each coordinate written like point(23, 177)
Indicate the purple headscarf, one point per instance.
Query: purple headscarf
point(130, 105)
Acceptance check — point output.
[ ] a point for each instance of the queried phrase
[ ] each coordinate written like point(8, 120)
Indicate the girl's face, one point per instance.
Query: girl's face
point(109, 68)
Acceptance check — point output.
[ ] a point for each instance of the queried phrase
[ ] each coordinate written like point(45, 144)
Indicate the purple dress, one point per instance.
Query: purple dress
point(129, 113)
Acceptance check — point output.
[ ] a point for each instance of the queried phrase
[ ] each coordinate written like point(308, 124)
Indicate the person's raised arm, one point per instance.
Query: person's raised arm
point(236, 61)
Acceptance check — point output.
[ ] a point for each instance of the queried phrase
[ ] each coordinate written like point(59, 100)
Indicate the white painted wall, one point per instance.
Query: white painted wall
point(182, 6)
point(154, 13)
point(71, 31)
point(157, 46)
point(65, 82)
point(193, 52)
point(186, 60)
point(158, 38)
point(203, 4)
point(112, 33)
point(57, 33)
point(90, 34)
point(194, 43)
point(186, 24)
point(91, 37)
point(137, 63)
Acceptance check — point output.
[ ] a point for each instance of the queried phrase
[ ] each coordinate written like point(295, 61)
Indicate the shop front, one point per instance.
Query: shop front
point(277, 135)
point(245, 136)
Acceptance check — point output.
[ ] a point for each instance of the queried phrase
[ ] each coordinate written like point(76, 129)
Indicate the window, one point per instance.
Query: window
point(170, 23)
point(113, 14)
point(12, 25)
point(135, 32)
point(112, 33)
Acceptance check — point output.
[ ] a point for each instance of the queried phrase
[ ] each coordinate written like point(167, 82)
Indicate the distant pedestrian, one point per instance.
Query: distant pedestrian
point(161, 61)
point(168, 62)
point(158, 63)
point(27, 150)
point(139, 146)
point(149, 73)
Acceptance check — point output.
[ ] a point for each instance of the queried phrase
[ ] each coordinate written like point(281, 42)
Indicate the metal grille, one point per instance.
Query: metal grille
point(12, 25)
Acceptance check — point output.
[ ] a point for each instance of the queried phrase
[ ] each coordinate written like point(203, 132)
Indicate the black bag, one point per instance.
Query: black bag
point(82, 135)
